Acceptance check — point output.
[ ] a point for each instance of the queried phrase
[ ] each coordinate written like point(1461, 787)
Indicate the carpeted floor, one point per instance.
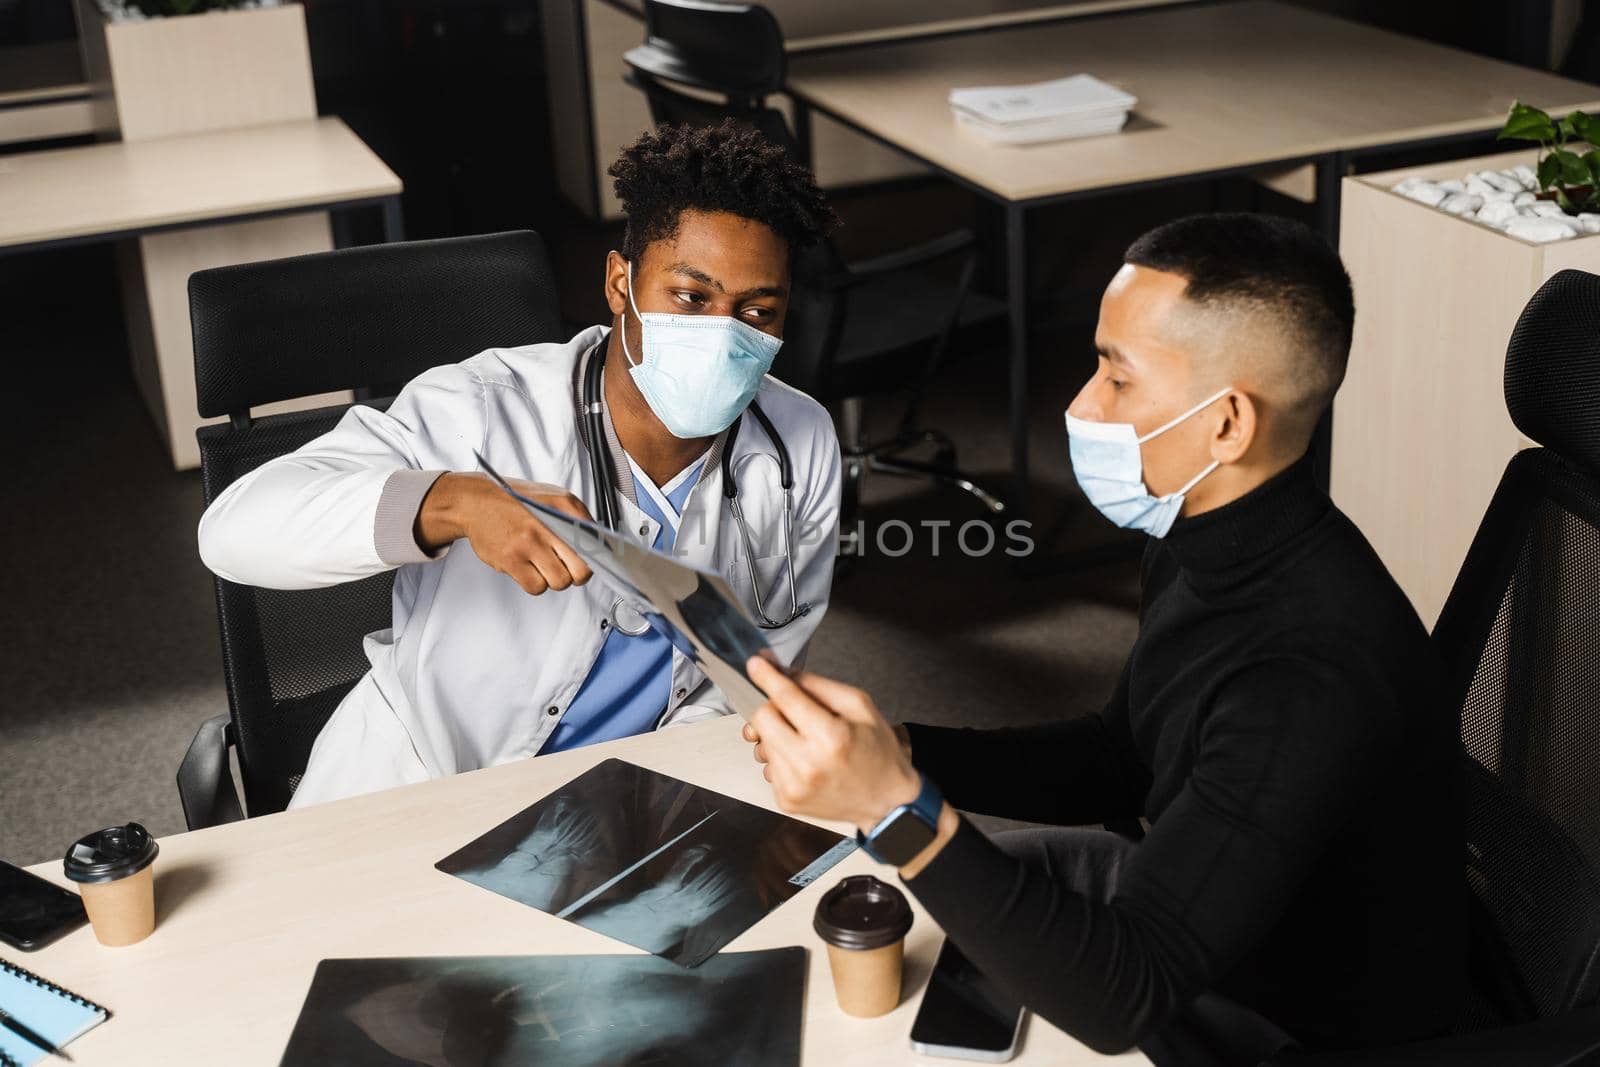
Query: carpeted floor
point(108, 643)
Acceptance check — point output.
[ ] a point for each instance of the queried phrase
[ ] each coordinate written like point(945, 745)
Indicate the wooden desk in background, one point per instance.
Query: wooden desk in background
point(1224, 89)
point(175, 191)
point(594, 114)
point(246, 910)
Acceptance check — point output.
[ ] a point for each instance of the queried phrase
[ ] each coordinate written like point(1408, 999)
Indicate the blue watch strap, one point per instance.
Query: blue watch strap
point(929, 802)
point(925, 809)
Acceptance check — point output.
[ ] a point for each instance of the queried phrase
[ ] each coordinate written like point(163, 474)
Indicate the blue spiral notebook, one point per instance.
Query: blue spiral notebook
point(55, 1014)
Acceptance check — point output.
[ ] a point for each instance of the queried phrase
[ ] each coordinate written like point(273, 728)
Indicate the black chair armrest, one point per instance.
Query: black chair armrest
point(205, 784)
point(901, 258)
point(1568, 1040)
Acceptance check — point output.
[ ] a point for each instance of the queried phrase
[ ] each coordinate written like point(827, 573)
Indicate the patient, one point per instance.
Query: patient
point(1278, 724)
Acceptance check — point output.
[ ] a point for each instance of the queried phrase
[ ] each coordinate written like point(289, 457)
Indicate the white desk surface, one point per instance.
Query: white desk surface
point(1219, 85)
point(246, 911)
point(107, 188)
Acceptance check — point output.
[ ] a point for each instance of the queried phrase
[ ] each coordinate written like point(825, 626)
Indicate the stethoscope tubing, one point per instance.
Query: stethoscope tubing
point(605, 480)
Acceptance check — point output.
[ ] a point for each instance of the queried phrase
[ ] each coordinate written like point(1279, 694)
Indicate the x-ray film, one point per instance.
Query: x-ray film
point(692, 608)
point(651, 861)
point(554, 1011)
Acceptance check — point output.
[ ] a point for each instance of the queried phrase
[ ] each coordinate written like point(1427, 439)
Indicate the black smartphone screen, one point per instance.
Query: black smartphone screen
point(963, 1009)
point(34, 912)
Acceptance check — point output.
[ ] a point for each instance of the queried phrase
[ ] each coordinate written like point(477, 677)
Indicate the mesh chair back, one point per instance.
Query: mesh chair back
point(732, 57)
point(1519, 634)
point(363, 318)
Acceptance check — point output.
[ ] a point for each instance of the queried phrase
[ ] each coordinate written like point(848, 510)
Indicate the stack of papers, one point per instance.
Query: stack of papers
point(1079, 106)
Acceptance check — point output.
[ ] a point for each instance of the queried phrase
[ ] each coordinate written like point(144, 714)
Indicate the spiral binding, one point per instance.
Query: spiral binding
point(44, 983)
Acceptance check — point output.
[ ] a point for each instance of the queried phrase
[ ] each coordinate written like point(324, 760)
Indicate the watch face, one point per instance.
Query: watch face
point(900, 841)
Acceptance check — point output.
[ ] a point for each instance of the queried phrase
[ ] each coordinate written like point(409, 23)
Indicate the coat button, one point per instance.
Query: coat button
point(552, 710)
point(681, 693)
point(644, 529)
point(605, 623)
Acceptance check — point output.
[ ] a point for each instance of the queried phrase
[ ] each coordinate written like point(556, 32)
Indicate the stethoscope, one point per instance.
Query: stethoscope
point(605, 481)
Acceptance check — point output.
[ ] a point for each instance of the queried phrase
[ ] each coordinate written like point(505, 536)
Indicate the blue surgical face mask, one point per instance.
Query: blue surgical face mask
point(1110, 470)
point(697, 372)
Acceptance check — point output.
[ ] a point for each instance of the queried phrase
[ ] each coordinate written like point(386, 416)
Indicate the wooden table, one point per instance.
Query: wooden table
point(1223, 89)
point(193, 201)
point(246, 910)
point(594, 114)
point(122, 189)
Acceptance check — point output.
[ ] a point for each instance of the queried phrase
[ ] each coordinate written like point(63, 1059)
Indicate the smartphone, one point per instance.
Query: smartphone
point(963, 1016)
point(34, 912)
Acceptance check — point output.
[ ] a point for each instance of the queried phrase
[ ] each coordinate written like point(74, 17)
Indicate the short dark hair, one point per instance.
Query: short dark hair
point(1270, 264)
point(727, 167)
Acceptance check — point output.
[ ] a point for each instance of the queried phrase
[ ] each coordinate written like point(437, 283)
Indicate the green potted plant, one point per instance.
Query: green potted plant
point(1570, 178)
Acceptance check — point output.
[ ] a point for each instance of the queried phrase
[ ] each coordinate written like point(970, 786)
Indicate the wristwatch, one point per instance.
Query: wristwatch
point(907, 830)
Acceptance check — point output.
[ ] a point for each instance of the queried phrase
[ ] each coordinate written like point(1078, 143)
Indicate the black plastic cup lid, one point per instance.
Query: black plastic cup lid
point(862, 913)
point(110, 854)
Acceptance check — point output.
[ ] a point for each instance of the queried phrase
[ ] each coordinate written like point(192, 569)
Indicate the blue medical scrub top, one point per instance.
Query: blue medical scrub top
point(628, 686)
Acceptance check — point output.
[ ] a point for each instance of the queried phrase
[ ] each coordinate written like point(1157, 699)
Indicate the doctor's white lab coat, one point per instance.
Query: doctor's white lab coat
point(474, 671)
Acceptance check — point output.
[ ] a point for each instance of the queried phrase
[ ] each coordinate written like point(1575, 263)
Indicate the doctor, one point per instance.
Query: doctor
point(499, 649)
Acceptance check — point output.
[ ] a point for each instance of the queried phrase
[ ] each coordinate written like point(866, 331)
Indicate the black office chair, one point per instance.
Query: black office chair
point(1520, 635)
point(854, 330)
point(368, 319)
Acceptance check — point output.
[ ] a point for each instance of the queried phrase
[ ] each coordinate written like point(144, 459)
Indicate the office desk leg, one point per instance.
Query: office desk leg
point(394, 228)
point(1020, 505)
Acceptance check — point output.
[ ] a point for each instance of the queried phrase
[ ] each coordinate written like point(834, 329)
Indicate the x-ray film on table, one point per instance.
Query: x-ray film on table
point(656, 863)
point(692, 608)
point(554, 1011)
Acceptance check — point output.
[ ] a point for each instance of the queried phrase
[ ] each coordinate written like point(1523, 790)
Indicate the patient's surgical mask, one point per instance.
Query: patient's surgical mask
point(1110, 470)
point(697, 372)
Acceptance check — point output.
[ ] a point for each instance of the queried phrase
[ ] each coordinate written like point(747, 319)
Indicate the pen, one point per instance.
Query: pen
point(10, 1022)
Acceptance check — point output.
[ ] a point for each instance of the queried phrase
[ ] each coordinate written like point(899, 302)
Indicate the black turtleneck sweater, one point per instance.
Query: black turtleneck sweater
point(1279, 723)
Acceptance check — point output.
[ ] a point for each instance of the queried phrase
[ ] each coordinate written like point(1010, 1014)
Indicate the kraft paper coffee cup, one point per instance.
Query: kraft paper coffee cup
point(116, 878)
point(864, 922)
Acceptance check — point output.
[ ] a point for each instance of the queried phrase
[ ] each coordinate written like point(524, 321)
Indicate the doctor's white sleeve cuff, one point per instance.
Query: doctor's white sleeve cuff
point(394, 526)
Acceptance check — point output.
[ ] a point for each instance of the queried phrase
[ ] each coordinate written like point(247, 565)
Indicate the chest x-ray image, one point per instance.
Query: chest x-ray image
point(651, 861)
point(555, 1011)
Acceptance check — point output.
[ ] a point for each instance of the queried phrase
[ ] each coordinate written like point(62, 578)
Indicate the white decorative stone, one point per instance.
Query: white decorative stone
point(1497, 212)
point(1540, 230)
point(1425, 192)
point(1503, 199)
point(1505, 181)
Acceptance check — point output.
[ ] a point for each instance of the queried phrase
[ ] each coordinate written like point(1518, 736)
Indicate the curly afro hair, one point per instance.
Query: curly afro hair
point(727, 167)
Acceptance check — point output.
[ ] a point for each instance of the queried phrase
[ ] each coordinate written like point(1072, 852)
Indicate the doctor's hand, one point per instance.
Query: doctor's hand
point(501, 531)
point(829, 752)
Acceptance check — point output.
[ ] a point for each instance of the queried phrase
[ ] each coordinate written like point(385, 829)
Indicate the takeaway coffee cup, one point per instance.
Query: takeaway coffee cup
point(863, 922)
point(115, 876)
